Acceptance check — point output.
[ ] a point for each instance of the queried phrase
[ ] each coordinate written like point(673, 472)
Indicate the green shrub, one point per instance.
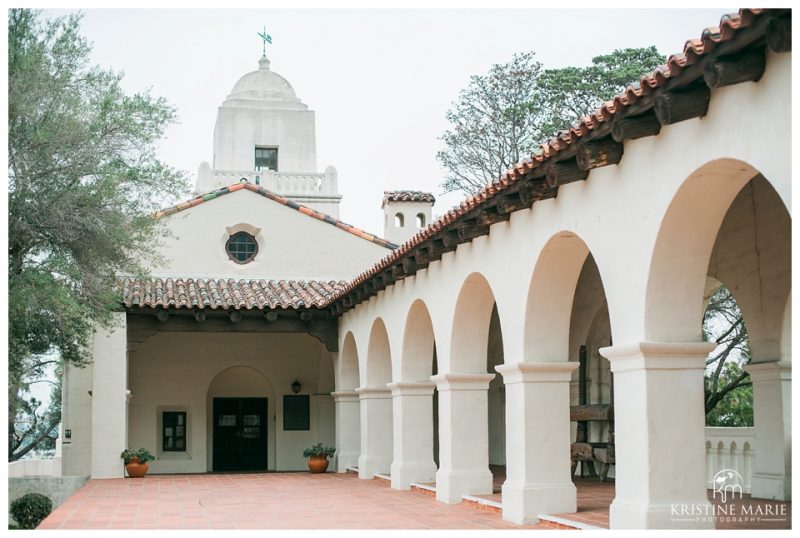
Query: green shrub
point(30, 509)
point(319, 450)
point(144, 456)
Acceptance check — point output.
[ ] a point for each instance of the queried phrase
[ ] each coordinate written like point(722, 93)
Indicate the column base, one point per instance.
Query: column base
point(403, 474)
point(679, 515)
point(369, 467)
point(452, 485)
point(522, 504)
point(345, 460)
point(772, 487)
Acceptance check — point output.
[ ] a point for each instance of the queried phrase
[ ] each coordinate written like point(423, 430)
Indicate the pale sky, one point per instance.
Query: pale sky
point(380, 81)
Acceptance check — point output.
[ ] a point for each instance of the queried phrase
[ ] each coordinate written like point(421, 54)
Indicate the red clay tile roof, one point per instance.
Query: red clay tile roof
point(730, 33)
point(407, 196)
point(221, 293)
point(281, 200)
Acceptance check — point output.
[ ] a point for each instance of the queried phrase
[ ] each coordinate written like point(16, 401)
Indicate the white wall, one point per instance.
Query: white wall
point(291, 245)
point(240, 129)
point(183, 371)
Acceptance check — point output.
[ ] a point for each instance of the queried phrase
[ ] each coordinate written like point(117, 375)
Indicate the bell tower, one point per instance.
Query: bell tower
point(405, 213)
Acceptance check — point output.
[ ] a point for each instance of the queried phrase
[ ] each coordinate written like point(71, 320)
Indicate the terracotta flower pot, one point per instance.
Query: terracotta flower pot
point(318, 464)
point(135, 468)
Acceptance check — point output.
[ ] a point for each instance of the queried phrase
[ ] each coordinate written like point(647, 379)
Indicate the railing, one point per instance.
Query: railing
point(730, 448)
point(33, 467)
point(284, 183)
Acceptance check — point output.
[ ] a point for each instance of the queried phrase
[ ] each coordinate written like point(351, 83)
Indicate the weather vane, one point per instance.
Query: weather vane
point(266, 38)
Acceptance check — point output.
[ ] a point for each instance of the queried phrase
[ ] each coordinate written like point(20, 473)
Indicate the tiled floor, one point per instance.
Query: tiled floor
point(306, 501)
point(260, 501)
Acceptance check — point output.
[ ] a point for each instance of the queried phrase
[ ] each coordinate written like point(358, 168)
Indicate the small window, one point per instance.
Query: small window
point(266, 159)
point(173, 431)
point(241, 247)
point(398, 220)
point(420, 220)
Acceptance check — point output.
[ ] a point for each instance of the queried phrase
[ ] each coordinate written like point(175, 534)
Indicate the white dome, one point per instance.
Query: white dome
point(265, 87)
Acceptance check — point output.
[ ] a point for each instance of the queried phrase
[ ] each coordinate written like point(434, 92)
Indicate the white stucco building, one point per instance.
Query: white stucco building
point(455, 346)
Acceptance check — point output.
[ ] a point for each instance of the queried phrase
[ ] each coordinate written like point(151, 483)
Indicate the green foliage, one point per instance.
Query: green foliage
point(503, 116)
point(30, 509)
point(142, 454)
point(573, 92)
point(319, 450)
point(84, 182)
point(728, 390)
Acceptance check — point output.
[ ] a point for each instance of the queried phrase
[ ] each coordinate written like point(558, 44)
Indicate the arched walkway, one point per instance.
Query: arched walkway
point(412, 397)
point(376, 405)
point(463, 397)
point(348, 419)
point(724, 221)
point(538, 388)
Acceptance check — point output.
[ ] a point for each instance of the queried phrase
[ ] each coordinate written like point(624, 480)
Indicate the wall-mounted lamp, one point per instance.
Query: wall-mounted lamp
point(296, 386)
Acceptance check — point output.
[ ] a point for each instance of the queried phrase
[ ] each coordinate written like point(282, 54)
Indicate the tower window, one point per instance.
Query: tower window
point(420, 220)
point(241, 247)
point(266, 159)
point(398, 220)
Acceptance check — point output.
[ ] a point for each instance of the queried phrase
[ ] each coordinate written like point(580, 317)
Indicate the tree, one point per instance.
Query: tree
point(728, 391)
point(84, 181)
point(503, 116)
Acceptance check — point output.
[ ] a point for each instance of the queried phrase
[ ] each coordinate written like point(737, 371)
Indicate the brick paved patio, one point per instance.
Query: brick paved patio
point(306, 501)
point(260, 501)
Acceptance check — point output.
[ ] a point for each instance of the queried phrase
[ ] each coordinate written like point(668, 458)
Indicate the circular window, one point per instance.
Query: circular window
point(241, 247)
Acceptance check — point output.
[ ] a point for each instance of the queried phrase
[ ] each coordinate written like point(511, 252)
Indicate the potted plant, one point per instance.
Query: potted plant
point(136, 461)
point(318, 457)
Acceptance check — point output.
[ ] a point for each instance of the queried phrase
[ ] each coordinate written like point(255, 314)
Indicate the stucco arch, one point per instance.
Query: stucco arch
point(348, 378)
point(548, 311)
point(419, 343)
point(378, 364)
point(683, 249)
point(471, 320)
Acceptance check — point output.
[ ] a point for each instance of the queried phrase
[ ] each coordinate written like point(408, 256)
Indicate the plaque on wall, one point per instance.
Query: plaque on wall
point(296, 414)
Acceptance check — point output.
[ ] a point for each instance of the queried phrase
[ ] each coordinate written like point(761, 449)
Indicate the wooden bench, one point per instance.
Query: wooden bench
point(581, 450)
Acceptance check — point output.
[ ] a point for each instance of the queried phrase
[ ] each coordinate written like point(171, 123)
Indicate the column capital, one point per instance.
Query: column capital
point(769, 371)
point(658, 356)
point(345, 396)
point(405, 388)
point(462, 381)
point(366, 393)
point(536, 372)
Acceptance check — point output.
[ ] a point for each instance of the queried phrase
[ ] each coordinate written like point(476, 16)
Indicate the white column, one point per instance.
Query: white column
point(412, 414)
point(772, 418)
point(109, 399)
point(376, 431)
point(348, 429)
point(538, 440)
point(463, 436)
point(660, 435)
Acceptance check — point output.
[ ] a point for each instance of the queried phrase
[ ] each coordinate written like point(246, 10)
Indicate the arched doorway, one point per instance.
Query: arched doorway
point(241, 437)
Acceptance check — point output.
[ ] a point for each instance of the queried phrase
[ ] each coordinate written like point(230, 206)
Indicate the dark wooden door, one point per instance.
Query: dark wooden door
point(240, 434)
